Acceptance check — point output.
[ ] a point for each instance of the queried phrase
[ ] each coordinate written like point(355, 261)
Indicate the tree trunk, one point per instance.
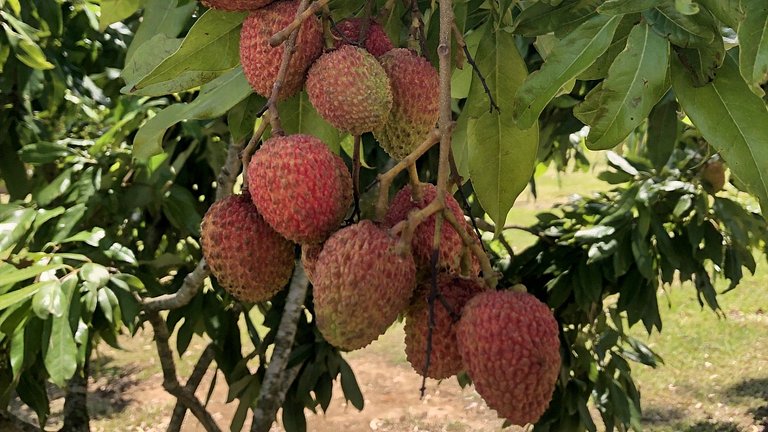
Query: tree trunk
point(76, 418)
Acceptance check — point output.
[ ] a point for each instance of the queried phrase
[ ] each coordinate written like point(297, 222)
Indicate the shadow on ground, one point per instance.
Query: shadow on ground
point(755, 388)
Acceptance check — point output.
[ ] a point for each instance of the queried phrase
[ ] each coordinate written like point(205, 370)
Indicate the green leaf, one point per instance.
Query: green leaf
point(43, 152)
point(685, 31)
point(663, 129)
point(49, 300)
point(61, 353)
point(14, 226)
point(148, 56)
point(636, 81)
point(12, 277)
point(241, 119)
point(753, 44)
point(113, 11)
point(179, 206)
point(349, 386)
point(599, 69)
point(299, 116)
point(26, 50)
point(730, 12)
point(733, 120)
point(574, 54)
point(210, 49)
point(9, 299)
point(501, 157)
point(94, 275)
point(214, 100)
point(165, 17)
point(541, 18)
point(619, 7)
point(704, 62)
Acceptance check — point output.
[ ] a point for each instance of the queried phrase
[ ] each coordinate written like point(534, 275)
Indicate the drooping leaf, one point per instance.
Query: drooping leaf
point(635, 82)
point(572, 55)
point(542, 18)
point(753, 44)
point(61, 352)
point(501, 157)
point(733, 120)
point(214, 100)
point(662, 131)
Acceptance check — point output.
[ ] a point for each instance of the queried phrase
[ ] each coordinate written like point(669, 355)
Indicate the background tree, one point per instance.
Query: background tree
point(126, 120)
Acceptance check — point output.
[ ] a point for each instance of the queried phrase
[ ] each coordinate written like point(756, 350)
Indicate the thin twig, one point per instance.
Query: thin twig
point(356, 175)
point(170, 379)
point(463, 44)
point(288, 50)
point(193, 282)
point(250, 149)
point(270, 398)
point(201, 367)
point(416, 189)
point(285, 33)
point(385, 179)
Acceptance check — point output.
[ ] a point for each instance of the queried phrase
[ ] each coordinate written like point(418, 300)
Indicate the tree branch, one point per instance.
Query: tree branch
point(170, 379)
point(250, 149)
point(385, 179)
point(271, 395)
point(201, 367)
point(285, 33)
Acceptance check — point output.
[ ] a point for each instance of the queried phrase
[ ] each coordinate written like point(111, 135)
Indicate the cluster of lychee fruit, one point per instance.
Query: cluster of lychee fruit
point(300, 193)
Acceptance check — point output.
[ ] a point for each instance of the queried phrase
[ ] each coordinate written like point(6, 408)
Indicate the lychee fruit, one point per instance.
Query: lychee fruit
point(445, 360)
point(415, 108)
point(236, 5)
point(249, 259)
point(350, 90)
point(300, 187)
point(361, 285)
point(309, 255)
point(261, 62)
point(509, 345)
point(713, 174)
point(451, 244)
point(376, 41)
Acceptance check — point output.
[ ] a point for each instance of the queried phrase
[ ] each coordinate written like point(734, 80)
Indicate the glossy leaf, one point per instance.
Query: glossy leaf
point(733, 120)
point(49, 300)
point(572, 55)
point(61, 353)
point(635, 83)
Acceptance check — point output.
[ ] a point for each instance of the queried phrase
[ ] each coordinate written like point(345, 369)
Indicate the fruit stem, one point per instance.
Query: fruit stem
point(416, 190)
point(285, 33)
point(250, 149)
point(385, 179)
point(491, 279)
point(356, 174)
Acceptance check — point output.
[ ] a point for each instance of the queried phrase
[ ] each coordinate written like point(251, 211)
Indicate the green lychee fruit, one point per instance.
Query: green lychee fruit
point(376, 41)
point(236, 5)
point(249, 259)
point(261, 62)
point(361, 285)
point(445, 360)
point(510, 347)
point(350, 90)
point(300, 187)
point(415, 108)
point(451, 244)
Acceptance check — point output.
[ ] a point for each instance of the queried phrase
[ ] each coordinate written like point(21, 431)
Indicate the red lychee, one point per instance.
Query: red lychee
point(376, 42)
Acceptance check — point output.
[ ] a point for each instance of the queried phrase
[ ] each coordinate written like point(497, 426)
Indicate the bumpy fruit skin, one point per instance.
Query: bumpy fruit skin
point(415, 107)
point(451, 245)
point(261, 62)
point(445, 360)
point(309, 255)
point(509, 344)
point(350, 90)
point(236, 5)
point(300, 188)
point(376, 42)
point(361, 285)
point(249, 259)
